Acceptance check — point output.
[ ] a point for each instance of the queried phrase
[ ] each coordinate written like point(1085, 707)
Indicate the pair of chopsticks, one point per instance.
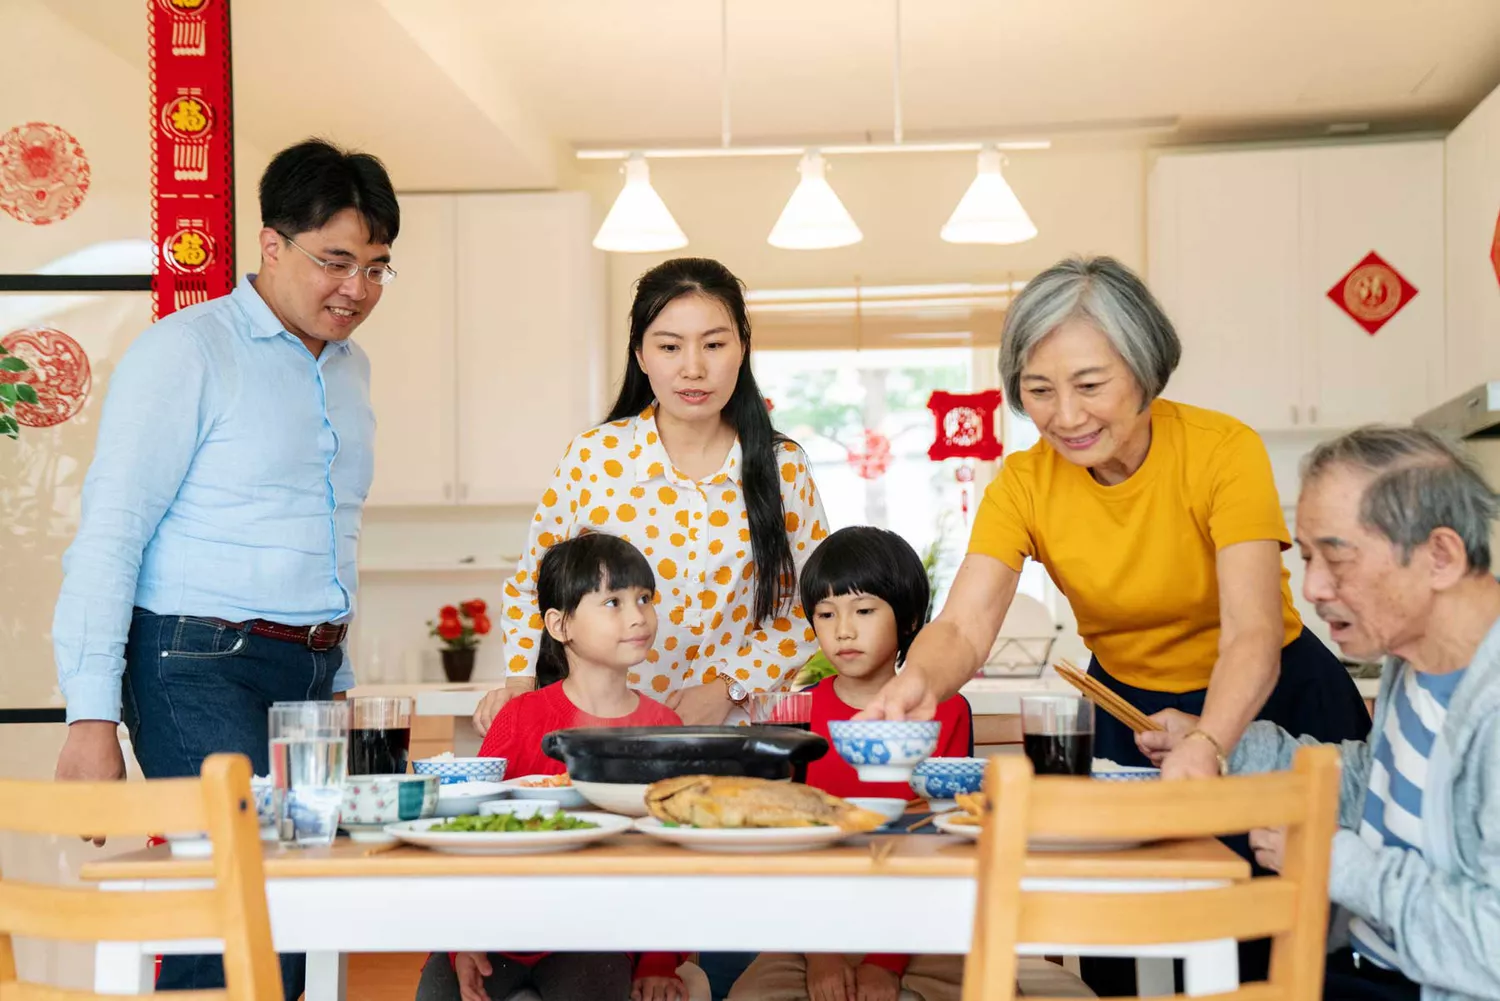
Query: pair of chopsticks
point(1105, 698)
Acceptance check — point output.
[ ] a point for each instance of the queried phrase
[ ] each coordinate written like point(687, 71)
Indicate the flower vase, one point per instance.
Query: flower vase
point(458, 665)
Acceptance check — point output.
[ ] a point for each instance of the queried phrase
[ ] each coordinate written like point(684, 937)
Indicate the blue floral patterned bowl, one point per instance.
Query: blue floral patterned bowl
point(884, 750)
point(944, 778)
point(451, 770)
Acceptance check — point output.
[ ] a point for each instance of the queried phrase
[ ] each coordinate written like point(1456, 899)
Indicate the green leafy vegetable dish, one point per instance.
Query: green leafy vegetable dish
point(505, 823)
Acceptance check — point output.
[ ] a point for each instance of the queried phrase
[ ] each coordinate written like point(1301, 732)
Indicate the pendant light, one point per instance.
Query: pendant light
point(814, 218)
point(989, 211)
point(639, 222)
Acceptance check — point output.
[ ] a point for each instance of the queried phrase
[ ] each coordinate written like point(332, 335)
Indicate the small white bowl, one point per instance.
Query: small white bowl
point(452, 771)
point(623, 798)
point(891, 809)
point(521, 809)
point(463, 798)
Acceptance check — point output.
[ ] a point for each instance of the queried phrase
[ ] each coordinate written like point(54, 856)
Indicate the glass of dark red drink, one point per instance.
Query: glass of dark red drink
point(1058, 733)
point(379, 735)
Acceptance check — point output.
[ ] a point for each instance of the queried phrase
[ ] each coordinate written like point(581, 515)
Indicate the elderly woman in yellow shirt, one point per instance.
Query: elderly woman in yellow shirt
point(1159, 521)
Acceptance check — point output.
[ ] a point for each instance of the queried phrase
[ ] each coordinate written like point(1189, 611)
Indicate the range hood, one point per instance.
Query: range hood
point(1475, 414)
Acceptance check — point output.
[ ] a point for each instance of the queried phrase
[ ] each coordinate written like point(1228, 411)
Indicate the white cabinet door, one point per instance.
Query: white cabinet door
point(530, 334)
point(1223, 257)
point(1386, 198)
point(409, 338)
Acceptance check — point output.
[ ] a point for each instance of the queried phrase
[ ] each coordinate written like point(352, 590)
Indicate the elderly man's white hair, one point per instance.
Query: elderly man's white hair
point(1421, 482)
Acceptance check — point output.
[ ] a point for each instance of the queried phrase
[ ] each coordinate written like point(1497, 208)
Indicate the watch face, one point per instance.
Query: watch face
point(737, 692)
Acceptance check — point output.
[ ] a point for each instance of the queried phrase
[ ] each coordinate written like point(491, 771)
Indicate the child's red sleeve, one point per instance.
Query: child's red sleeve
point(958, 728)
point(657, 964)
point(501, 736)
point(894, 962)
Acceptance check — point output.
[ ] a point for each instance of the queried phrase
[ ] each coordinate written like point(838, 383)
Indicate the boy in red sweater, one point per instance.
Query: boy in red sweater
point(867, 594)
point(596, 593)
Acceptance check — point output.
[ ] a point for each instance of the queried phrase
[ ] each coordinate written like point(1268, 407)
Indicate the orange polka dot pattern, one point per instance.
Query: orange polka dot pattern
point(618, 478)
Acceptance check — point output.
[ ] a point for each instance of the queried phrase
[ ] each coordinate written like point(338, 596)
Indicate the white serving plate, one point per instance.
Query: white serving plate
point(567, 796)
point(743, 840)
point(627, 799)
point(515, 843)
point(944, 822)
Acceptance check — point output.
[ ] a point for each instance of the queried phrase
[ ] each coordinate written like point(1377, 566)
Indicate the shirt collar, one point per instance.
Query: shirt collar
point(652, 460)
point(263, 322)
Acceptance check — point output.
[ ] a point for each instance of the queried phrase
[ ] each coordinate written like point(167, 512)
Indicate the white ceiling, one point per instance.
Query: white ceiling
point(489, 92)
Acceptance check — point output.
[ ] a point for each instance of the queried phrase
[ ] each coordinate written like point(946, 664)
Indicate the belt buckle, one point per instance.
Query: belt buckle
point(315, 641)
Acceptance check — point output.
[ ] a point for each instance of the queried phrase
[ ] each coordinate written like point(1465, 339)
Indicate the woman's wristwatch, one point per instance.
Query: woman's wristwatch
point(738, 693)
point(1214, 743)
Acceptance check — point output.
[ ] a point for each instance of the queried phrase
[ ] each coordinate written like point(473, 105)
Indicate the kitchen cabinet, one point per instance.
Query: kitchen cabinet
point(1243, 247)
point(486, 353)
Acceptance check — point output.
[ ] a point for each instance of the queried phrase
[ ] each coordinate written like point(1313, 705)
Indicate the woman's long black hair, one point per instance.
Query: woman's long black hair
point(572, 570)
point(776, 574)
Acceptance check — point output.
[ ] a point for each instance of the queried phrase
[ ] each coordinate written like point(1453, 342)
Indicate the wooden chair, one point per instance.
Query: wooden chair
point(234, 910)
point(1291, 909)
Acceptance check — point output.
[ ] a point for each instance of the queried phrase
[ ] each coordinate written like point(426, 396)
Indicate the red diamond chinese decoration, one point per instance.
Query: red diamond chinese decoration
point(872, 463)
point(1372, 292)
point(1495, 250)
point(965, 425)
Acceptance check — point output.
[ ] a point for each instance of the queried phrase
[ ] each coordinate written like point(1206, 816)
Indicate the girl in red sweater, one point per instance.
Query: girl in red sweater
point(596, 592)
point(866, 592)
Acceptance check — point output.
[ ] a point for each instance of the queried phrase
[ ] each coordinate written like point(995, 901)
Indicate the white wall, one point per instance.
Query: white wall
point(1472, 202)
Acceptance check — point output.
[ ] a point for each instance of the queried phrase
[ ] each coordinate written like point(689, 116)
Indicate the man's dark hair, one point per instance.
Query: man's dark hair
point(309, 183)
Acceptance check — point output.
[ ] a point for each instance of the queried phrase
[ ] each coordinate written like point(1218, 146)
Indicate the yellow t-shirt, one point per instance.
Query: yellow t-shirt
point(1137, 560)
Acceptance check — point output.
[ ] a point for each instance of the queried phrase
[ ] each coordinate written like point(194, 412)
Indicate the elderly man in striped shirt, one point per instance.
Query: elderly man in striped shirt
point(1394, 526)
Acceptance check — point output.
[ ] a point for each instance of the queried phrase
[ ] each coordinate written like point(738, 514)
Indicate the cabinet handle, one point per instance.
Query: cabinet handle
point(463, 491)
point(1295, 414)
point(447, 491)
point(1312, 415)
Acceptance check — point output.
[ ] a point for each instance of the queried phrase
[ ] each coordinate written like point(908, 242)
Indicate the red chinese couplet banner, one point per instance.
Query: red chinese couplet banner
point(192, 152)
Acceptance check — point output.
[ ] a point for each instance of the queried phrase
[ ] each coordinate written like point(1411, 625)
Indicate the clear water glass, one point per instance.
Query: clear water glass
point(309, 757)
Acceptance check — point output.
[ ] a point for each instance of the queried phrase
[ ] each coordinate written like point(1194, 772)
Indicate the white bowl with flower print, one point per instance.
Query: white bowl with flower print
point(883, 750)
point(451, 770)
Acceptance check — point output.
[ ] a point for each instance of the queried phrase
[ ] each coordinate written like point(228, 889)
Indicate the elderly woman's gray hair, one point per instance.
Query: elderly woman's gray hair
point(1108, 295)
point(1421, 482)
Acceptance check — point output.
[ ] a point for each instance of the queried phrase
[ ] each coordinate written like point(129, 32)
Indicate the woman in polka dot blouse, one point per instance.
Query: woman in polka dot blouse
point(688, 468)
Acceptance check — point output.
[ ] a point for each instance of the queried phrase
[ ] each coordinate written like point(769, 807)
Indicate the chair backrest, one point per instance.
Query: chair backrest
point(1291, 908)
point(233, 910)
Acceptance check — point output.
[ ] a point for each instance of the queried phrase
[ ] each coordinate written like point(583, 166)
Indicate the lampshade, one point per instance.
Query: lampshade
point(639, 221)
point(989, 211)
point(814, 218)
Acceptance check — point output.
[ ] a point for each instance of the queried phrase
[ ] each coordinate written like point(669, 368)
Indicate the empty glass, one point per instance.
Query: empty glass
point(379, 735)
point(309, 744)
point(1058, 733)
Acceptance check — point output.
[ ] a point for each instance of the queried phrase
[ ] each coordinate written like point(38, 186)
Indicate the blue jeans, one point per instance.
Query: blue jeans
point(193, 688)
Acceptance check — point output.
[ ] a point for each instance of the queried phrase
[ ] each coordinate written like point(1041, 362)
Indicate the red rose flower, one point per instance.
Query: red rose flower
point(481, 624)
point(449, 629)
point(448, 612)
point(474, 609)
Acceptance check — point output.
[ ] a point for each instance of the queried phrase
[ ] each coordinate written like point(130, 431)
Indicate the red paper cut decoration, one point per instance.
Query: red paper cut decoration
point(872, 463)
point(965, 425)
point(59, 372)
point(1495, 250)
point(43, 173)
point(1372, 292)
point(192, 152)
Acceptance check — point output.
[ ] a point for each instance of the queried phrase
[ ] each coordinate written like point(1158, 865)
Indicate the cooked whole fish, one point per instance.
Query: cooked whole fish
point(731, 801)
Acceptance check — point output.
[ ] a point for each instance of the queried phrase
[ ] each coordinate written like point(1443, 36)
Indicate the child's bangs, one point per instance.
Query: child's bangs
point(622, 568)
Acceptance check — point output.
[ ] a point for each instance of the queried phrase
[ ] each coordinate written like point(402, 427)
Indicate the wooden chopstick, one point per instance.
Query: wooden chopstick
point(912, 828)
point(1105, 698)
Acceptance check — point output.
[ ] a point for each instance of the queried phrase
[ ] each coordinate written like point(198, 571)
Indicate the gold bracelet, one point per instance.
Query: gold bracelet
point(1214, 743)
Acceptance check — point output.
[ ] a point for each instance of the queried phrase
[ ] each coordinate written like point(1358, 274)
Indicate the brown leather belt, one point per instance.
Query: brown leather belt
point(321, 637)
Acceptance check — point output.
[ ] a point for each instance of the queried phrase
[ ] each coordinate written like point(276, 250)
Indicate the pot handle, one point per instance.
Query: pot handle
point(552, 744)
point(811, 748)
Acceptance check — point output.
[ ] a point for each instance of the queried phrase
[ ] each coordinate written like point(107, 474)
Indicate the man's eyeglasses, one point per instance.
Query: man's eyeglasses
point(380, 274)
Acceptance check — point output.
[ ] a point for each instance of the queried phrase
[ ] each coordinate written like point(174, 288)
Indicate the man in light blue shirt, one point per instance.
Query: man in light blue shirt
point(214, 568)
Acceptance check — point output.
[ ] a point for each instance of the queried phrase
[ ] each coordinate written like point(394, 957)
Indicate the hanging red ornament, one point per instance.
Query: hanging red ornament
point(44, 173)
point(1372, 292)
point(58, 371)
point(965, 425)
point(872, 463)
point(1495, 250)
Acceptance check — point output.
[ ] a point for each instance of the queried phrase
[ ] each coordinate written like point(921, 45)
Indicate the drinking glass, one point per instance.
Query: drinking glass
point(309, 744)
point(379, 735)
point(1058, 733)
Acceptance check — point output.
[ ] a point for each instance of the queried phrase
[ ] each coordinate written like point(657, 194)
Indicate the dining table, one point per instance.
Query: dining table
point(903, 893)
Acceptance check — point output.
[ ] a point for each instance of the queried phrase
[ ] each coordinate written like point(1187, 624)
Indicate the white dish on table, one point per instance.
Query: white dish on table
point(567, 797)
point(417, 832)
point(627, 799)
point(945, 822)
point(463, 798)
point(521, 809)
point(889, 808)
point(743, 840)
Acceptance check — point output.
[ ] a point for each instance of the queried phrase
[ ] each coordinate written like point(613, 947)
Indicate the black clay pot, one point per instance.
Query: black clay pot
point(636, 755)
